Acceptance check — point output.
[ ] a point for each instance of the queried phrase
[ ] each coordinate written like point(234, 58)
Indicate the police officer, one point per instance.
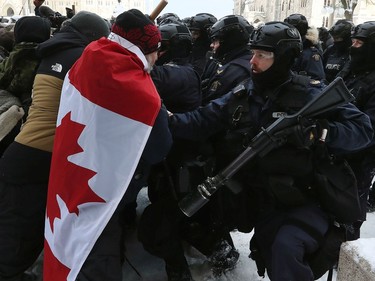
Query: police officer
point(310, 62)
point(359, 77)
point(159, 229)
point(325, 38)
point(231, 55)
point(178, 84)
point(337, 55)
point(199, 26)
point(289, 223)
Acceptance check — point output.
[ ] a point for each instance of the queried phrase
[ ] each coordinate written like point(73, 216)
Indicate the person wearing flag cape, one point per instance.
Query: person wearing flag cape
point(25, 164)
point(110, 127)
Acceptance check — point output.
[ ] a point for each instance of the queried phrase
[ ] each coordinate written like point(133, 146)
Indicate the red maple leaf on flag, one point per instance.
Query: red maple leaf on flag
point(55, 269)
point(68, 180)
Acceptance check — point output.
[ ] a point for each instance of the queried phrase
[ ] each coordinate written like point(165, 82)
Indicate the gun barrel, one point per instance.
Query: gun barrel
point(158, 9)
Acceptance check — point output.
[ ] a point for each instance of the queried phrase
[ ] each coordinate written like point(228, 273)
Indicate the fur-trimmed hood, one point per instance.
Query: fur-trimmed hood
point(312, 35)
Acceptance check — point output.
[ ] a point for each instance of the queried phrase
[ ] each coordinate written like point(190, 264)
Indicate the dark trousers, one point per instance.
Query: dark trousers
point(286, 238)
point(22, 215)
point(23, 192)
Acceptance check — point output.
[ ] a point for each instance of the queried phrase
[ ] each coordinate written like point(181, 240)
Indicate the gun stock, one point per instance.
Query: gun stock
point(334, 95)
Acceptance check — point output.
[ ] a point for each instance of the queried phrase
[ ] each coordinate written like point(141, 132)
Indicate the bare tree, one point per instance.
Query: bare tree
point(349, 6)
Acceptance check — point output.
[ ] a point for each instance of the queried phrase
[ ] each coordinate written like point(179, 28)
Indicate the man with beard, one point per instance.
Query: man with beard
point(359, 77)
point(278, 189)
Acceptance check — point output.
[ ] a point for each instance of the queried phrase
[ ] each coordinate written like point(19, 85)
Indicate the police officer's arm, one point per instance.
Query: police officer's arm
point(224, 81)
point(349, 129)
point(202, 122)
point(369, 107)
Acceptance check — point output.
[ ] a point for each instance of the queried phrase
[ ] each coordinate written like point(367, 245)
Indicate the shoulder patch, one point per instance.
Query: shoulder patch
point(316, 57)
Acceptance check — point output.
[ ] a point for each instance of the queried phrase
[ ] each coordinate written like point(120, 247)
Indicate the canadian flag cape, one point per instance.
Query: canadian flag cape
point(107, 109)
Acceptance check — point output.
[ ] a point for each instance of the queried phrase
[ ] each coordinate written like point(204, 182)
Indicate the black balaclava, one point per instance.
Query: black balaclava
point(232, 40)
point(276, 75)
point(362, 59)
point(178, 51)
point(343, 46)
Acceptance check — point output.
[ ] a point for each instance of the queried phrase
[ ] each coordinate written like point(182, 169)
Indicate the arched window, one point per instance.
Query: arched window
point(10, 12)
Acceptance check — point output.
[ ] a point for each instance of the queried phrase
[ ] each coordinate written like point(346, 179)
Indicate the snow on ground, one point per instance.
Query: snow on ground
point(143, 266)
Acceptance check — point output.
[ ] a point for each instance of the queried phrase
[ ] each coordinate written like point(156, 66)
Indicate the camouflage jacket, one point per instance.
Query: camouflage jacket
point(17, 72)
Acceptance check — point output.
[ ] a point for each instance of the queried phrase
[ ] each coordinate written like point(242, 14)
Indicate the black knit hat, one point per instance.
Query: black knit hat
point(90, 25)
point(137, 28)
point(32, 29)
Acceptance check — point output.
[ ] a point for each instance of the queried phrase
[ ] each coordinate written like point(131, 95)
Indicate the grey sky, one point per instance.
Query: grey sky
point(187, 8)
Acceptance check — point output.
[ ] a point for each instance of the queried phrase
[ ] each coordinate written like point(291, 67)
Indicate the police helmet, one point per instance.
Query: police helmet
point(176, 38)
point(341, 29)
point(278, 37)
point(201, 22)
point(299, 21)
point(167, 18)
point(364, 31)
point(230, 24)
point(232, 31)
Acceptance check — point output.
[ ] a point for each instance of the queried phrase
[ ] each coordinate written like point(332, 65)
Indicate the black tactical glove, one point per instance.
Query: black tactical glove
point(307, 132)
point(303, 134)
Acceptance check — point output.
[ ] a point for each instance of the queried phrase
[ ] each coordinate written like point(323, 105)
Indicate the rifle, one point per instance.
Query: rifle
point(335, 94)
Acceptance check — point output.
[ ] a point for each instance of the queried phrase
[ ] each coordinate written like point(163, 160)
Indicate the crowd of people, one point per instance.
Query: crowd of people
point(91, 113)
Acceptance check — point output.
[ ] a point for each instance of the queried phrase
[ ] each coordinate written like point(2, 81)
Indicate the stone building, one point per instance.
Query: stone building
point(318, 12)
point(104, 8)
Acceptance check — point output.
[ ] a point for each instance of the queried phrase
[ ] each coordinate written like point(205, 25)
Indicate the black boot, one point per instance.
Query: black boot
point(224, 258)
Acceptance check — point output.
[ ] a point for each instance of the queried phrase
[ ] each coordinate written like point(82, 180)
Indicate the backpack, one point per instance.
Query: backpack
point(336, 188)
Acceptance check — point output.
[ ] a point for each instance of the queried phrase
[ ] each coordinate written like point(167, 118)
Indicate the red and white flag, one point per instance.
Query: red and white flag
point(107, 109)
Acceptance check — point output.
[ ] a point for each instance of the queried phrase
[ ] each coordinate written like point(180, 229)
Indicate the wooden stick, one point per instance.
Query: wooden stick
point(158, 9)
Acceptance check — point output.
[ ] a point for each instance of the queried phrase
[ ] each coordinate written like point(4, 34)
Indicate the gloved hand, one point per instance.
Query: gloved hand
point(307, 132)
point(303, 134)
